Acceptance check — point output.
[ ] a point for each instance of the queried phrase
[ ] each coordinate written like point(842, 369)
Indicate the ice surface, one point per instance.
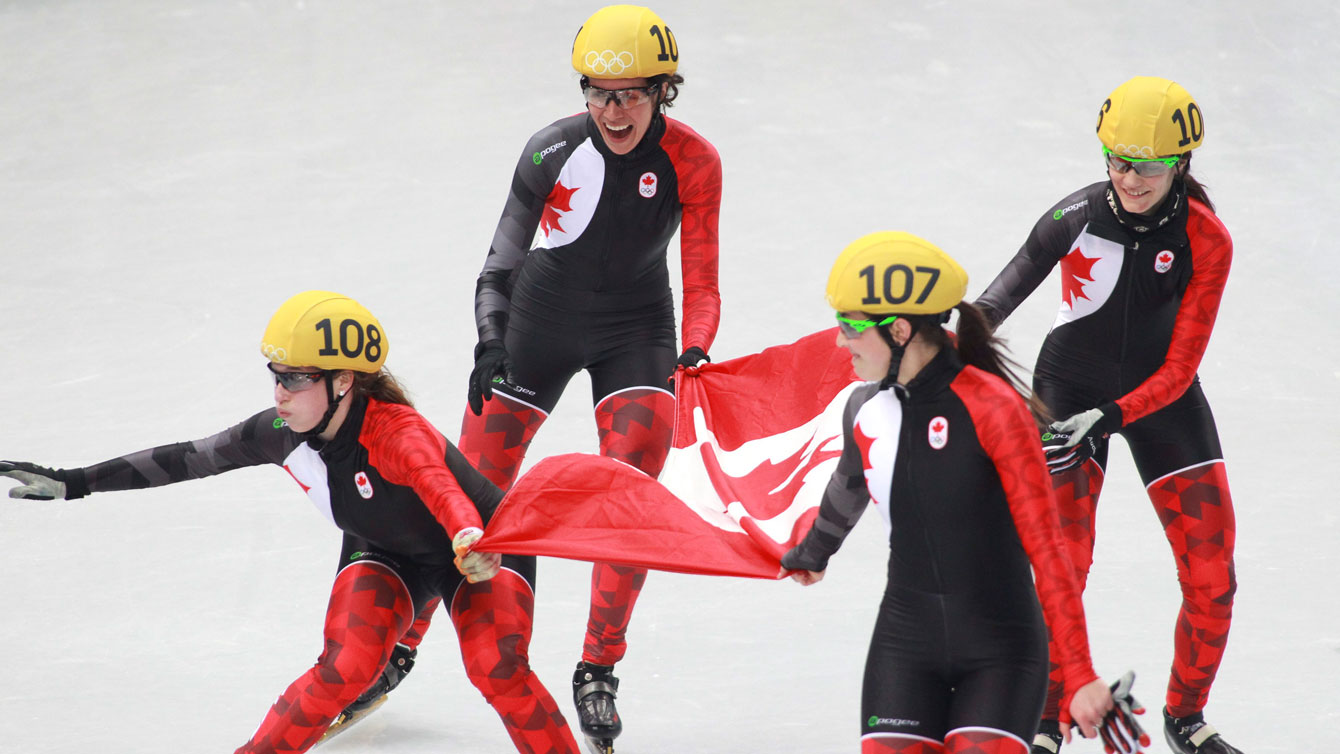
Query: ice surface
point(171, 171)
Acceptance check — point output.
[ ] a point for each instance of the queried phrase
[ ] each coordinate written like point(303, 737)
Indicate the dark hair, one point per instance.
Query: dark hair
point(672, 82)
point(1194, 188)
point(381, 385)
point(979, 347)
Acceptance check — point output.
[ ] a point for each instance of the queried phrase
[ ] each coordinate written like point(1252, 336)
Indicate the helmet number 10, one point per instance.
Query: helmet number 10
point(354, 341)
point(1193, 117)
point(898, 284)
point(669, 48)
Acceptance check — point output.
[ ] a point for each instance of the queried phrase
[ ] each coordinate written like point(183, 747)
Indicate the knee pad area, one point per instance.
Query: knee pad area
point(636, 426)
point(493, 620)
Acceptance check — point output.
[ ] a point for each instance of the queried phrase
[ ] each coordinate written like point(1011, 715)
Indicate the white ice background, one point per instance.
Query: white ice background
point(171, 171)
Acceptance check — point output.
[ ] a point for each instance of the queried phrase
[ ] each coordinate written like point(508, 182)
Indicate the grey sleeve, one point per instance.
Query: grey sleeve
point(844, 500)
point(531, 183)
point(1046, 244)
point(259, 440)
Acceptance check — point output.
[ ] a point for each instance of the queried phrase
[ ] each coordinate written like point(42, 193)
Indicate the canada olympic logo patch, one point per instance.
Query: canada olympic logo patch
point(937, 432)
point(646, 185)
point(1163, 262)
point(364, 486)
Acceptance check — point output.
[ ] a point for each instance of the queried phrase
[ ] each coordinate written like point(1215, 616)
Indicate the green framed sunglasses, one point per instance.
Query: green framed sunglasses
point(1143, 168)
point(854, 328)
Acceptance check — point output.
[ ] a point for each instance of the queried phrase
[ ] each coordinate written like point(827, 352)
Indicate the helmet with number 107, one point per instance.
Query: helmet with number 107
point(327, 331)
point(1150, 117)
point(624, 42)
point(892, 272)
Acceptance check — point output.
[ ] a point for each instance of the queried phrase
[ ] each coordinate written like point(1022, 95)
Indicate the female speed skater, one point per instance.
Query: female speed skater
point(1144, 260)
point(410, 507)
point(944, 445)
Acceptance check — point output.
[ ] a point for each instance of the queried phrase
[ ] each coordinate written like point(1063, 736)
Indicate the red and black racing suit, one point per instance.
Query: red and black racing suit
point(1139, 298)
point(959, 652)
point(594, 293)
point(399, 491)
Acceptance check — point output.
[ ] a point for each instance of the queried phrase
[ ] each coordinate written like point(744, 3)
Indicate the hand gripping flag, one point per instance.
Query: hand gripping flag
point(756, 440)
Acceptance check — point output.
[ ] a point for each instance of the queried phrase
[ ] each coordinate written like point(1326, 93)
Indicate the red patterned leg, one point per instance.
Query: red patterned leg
point(369, 610)
point(893, 743)
point(1077, 493)
point(983, 741)
point(493, 619)
point(635, 426)
point(614, 591)
point(1197, 515)
point(496, 442)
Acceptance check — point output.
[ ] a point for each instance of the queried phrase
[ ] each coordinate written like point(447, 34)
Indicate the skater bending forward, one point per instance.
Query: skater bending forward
point(945, 447)
point(408, 503)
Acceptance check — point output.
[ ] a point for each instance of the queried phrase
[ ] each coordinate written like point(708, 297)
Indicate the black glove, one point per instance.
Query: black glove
point(693, 356)
point(41, 483)
point(1071, 442)
point(491, 365)
point(1120, 731)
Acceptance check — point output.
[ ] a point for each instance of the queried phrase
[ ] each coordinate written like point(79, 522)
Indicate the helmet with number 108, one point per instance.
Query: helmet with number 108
point(327, 331)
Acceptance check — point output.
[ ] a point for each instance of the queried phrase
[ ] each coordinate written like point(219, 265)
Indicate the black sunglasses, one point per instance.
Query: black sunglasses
point(295, 382)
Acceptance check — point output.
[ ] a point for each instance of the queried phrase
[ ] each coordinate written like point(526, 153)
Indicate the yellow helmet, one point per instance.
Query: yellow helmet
point(624, 42)
point(892, 272)
point(1150, 117)
point(325, 330)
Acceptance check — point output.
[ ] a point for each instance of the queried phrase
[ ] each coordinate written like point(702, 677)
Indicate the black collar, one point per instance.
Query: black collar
point(933, 378)
point(346, 438)
point(1173, 205)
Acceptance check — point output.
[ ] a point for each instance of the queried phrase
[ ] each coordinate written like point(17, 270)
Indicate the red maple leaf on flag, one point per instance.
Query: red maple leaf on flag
point(559, 200)
point(770, 488)
point(1074, 268)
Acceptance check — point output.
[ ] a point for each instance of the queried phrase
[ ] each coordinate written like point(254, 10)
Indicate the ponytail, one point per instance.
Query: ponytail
point(382, 386)
point(1196, 190)
point(977, 346)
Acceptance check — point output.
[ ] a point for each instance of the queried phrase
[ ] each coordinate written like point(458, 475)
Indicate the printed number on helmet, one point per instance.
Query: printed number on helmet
point(899, 283)
point(1193, 119)
point(1107, 105)
point(354, 339)
point(669, 48)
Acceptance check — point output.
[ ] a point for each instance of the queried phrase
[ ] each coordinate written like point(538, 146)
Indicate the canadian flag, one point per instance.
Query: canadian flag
point(756, 440)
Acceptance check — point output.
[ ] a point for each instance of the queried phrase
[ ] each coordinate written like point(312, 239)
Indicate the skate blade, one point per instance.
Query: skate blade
point(346, 721)
point(600, 745)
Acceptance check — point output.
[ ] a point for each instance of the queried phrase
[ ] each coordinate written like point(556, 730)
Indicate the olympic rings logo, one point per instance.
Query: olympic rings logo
point(1138, 152)
point(609, 61)
point(274, 353)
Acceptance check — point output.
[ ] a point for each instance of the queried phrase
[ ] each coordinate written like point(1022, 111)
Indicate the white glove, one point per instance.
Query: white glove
point(38, 482)
point(1120, 731)
point(1069, 443)
point(475, 566)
